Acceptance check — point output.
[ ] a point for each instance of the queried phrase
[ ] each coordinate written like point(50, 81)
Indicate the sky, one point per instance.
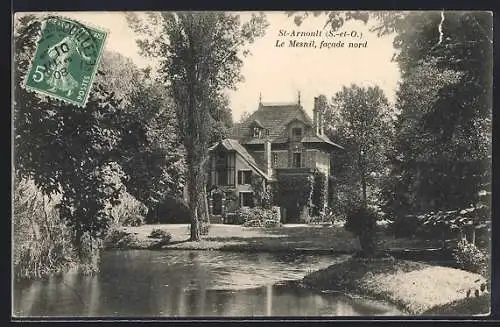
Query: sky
point(278, 74)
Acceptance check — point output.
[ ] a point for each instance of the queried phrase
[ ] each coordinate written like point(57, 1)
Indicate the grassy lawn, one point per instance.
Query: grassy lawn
point(416, 287)
point(315, 238)
point(238, 238)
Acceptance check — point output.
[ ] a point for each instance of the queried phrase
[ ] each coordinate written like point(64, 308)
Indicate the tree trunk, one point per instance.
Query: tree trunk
point(363, 177)
point(205, 202)
point(363, 187)
point(195, 227)
point(194, 196)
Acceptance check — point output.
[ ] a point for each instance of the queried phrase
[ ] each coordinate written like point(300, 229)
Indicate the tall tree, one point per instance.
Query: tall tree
point(199, 57)
point(221, 120)
point(359, 119)
point(244, 116)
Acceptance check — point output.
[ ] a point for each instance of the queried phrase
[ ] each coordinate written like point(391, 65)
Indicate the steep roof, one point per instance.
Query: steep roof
point(274, 117)
point(257, 123)
point(320, 139)
point(234, 145)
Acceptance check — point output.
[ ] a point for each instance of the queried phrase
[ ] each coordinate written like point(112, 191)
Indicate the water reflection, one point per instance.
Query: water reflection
point(189, 283)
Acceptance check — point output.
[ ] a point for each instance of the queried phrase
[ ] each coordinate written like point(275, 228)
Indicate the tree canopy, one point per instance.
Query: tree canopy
point(87, 154)
point(199, 58)
point(442, 150)
point(359, 118)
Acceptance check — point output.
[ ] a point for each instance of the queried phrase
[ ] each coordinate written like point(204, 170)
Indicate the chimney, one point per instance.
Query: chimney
point(318, 116)
point(267, 157)
point(315, 116)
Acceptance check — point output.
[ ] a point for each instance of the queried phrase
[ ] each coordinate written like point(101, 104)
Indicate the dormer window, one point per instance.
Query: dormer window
point(257, 128)
point(297, 133)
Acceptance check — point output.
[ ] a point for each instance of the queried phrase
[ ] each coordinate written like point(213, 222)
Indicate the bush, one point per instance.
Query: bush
point(233, 218)
point(41, 241)
point(120, 239)
point(362, 222)
point(133, 221)
point(271, 223)
point(404, 226)
point(130, 211)
point(305, 218)
point(259, 217)
point(164, 236)
point(324, 217)
point(469, 257)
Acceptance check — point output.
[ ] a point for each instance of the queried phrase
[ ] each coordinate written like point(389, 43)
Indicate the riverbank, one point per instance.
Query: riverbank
point(416, 288)
point(321, 239)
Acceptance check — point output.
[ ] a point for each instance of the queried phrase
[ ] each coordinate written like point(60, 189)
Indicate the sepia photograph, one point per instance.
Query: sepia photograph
point(196, 164)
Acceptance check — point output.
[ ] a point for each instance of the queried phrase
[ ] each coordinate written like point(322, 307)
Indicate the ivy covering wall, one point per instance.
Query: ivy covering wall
point(319, 193)
point(263, 194)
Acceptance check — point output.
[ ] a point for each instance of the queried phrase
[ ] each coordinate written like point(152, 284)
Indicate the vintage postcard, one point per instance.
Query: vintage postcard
point(251, 164)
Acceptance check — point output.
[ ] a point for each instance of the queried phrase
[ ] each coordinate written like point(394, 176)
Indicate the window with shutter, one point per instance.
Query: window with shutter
point(244, 177)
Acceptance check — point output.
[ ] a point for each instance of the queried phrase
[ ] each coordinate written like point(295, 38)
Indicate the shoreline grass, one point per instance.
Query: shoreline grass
point(414, 287)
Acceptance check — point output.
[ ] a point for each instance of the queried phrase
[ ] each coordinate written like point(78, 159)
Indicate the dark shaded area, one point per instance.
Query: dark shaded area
point(170, 211)
point(441, 256)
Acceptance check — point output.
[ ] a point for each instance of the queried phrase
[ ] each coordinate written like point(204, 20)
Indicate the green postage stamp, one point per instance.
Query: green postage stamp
point(66, 60)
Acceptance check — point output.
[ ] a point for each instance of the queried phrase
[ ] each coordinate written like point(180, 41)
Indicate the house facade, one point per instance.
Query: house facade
point(276, 140)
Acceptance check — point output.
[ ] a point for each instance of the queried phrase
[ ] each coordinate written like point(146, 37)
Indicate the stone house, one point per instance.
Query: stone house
point(276, 140)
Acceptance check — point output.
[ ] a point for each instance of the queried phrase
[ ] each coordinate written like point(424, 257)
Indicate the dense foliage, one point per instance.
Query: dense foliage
point(164, 236)
point(469, 257)
point(259, 217)
point(199, 59)
point(66, 150)
point(263, 194)
point(171, 210)
point(129, 212)
point(319, 192)
point(296, 186)
point(362, 222)
point(120, 148)
point(360, 119)
point(442, 149)
point(440, 157)
point(42, 242)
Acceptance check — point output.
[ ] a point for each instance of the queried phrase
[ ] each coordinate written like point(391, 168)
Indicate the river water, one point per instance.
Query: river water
point(143, 283)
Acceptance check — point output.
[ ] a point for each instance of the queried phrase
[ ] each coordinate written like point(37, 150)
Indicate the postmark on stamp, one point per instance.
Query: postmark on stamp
point(66, 60)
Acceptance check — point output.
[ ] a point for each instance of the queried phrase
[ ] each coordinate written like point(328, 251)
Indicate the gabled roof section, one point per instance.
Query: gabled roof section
point(273, 117)
point(234, 145)
point(295, 119)
point(256, 123)
point(320, 139)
